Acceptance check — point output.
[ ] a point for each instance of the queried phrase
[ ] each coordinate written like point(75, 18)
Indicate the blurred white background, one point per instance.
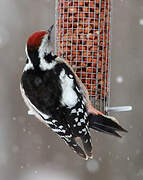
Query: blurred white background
point(30, 151)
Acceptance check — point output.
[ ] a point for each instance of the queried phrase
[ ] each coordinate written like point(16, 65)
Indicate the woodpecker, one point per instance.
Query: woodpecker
point(56, 96)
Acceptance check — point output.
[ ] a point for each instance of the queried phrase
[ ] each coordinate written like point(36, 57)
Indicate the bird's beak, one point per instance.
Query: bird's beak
point(49, 32)
point(50, 29)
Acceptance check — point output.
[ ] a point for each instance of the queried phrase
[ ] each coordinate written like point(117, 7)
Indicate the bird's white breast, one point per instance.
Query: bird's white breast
point(69, 96)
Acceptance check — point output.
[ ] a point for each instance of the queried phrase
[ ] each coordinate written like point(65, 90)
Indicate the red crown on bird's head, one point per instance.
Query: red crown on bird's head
point(35, 40)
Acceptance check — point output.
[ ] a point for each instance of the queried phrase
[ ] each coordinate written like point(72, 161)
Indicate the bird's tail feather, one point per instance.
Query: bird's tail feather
point(105, 124)
point(86, 140)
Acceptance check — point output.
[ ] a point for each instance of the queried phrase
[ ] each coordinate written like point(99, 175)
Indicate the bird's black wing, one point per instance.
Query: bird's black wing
point(44, 92)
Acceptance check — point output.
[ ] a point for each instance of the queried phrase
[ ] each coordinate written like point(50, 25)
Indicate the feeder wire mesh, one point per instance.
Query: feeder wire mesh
point(83, 38)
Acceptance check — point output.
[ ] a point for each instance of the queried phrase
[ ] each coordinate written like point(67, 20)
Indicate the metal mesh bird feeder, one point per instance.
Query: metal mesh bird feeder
point(83, 38)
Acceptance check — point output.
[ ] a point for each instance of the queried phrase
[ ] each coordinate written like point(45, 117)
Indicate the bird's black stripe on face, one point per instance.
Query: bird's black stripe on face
point(34, 57)
point(49, 57)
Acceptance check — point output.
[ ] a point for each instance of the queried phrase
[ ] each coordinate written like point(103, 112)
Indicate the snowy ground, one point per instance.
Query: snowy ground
point(30, 151)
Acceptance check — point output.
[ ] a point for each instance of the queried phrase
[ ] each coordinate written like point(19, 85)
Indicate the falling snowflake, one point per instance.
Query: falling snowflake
point(92, 166)
point(119, 79)
point(4, 36)
point(141, 22)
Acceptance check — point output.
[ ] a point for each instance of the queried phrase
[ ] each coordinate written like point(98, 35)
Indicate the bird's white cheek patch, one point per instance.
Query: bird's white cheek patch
point(46, 66)
point(69, 96)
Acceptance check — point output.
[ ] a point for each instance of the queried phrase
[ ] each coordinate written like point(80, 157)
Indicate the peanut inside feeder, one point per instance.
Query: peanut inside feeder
point(83, 38)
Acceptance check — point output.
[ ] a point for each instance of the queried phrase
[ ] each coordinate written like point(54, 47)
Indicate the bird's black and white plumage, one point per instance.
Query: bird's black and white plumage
point(56, 96)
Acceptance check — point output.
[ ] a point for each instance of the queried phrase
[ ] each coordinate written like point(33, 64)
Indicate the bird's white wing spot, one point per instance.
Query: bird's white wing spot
point(74, 144)
point(59, 130)
point(54, 121)
point(82, 120)
point(76, 119)
point(61, 127)
point(79, 123)
point(84, 129)
point(86, 114)
point(85, 117)
point(86, 141)
point(80, 110)
point(83, 102)
point(69, 136)
point(77, 89)
point(73, 111)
